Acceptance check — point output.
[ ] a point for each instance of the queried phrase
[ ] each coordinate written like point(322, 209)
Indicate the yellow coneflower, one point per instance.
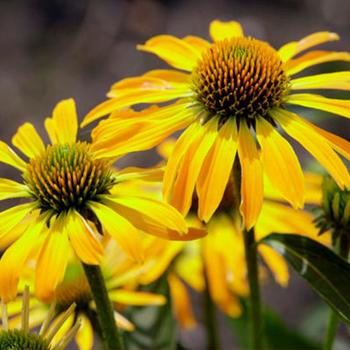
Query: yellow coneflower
point(73, 200)
point(121, 275)
point(51, 335)
point(232, 96)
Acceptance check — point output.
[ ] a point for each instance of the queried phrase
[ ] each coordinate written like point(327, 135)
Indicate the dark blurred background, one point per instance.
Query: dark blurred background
point(51, 50)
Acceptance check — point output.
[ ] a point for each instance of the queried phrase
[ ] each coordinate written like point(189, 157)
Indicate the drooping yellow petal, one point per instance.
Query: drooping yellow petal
point(276, 263)
point(85, 335)
point(63, 126)
point(12, 189)
point(135, 97)
point(123, 323)
point(135, 173)
point(129, 138)
point(176, 52)
point(11, 217)
point(216, 170)
point(291, 49)
point(136, 298)
point(182, 303)
point(8, 156)
point(85, 241)
point(191, 165)
point(125, 234)
point(334, 81)
point(252, 179)
point(52, 262)
point(332, 105)
point(159, 212)
point(181, 147)
point(281, 163)
point(225, 30)
point(28, 141)
point(315, 143)
point(312, 58)
point(13, 260)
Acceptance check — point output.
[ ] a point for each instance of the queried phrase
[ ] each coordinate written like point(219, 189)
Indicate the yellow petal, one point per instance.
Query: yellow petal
point(125, 234)
point(11, 217)
point(85, 241)
point(12, 189)
point(63, 126)
point(224, 30)
point(176, 52)
point(312, 58)
point(276, 263)
point(8, 156)
point(135, 97)
point(181, 147)
point(128, 297)
point(251, 179)
point(182, 303)
point(337, 81)
point(290, 50)
point(129, 138)
point(159, 212)
point(199, 43)
point(28, 141)
point(123, 323)
point(191, 165)
point(315, 143)
point(14, 259)
point(216, 170)
point(85, 335)
point(280, 163)
point(135, 173)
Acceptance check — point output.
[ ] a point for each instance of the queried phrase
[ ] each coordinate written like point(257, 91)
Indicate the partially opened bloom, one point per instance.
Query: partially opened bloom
point(72, 202)
point(232, 96)
point(51, 335)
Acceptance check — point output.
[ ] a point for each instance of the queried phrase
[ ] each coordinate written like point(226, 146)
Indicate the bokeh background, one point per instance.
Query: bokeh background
point(55, 49)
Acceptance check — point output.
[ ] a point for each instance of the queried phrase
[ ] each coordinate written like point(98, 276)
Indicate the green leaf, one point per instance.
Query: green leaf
point(327, 273)
point(155, 326)
point(278, 335)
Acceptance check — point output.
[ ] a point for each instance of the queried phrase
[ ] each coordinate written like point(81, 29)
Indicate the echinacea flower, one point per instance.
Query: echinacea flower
point(121, 275)
point(50, 336)
point(231, 95)
point(73, 201)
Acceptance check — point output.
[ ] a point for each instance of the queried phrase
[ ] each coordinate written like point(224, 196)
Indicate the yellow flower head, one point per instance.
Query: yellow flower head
point(231, 98)
point(51, 336)
point(73, 202)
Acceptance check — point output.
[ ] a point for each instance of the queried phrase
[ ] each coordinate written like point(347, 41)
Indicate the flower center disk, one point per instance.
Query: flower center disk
point(66, 176)
point(19, 340)
point(240, 78)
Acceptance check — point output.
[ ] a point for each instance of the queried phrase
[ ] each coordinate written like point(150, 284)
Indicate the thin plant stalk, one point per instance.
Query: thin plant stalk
point(255, 314)
point(111, 337)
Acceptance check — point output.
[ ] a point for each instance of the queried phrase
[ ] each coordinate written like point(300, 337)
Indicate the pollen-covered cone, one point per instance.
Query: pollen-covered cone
point(231, 96)
point(122, 276)
point(71, 203)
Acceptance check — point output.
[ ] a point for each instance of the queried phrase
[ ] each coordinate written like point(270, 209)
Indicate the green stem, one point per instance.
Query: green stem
point(213, 341)
point(110, 334)
point(256, 329)
point(331, 330)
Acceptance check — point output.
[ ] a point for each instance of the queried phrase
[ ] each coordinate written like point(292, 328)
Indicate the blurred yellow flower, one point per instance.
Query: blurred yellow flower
point(52, 335)
point(73, 200)
point(232, 96)
point(121, 276)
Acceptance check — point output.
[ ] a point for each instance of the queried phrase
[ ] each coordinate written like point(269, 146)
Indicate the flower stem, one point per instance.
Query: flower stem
point(213, 341)
point(331, 330)
point(110, 334)
point(256, 329)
